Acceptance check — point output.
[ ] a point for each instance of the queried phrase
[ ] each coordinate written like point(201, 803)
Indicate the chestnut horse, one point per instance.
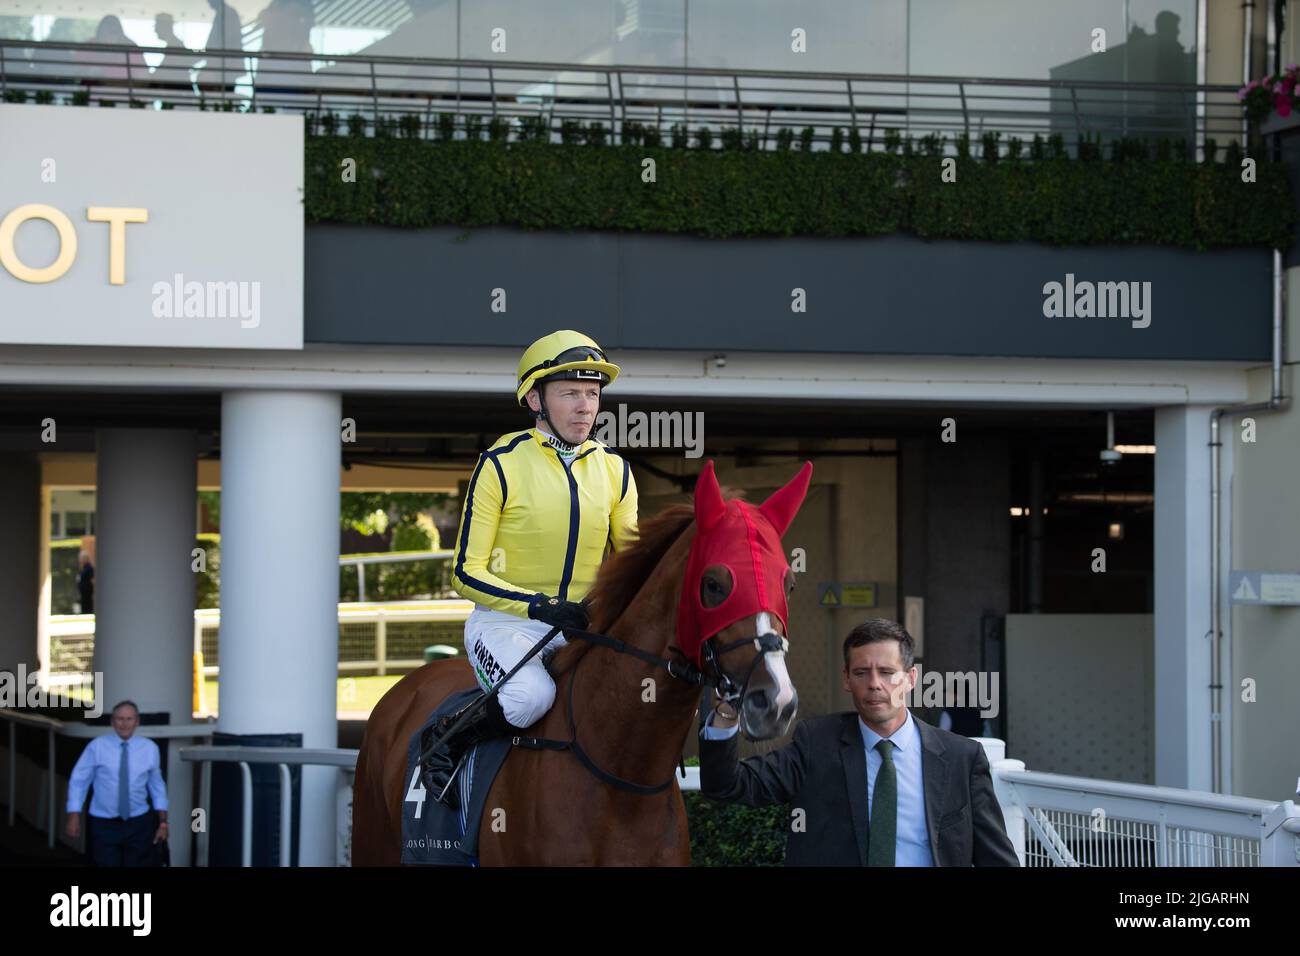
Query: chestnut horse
point(556, 811)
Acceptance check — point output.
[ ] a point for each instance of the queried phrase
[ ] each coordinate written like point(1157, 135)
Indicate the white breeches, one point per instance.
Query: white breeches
point(495, 642)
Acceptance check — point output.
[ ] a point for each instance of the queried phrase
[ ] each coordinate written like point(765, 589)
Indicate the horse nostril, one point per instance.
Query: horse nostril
point(758, 700)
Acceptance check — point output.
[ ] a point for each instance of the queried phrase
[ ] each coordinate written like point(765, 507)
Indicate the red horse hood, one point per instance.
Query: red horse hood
point(746, 539)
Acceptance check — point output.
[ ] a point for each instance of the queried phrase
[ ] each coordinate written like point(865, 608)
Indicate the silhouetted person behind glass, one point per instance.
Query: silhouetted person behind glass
point(1159, 58)
point(112, 66)
point(286, 27)
point(176, 63)
point(226, 34)
point(86, 583)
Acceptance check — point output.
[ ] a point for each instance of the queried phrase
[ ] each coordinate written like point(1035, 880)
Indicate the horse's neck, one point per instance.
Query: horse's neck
point(630, 728)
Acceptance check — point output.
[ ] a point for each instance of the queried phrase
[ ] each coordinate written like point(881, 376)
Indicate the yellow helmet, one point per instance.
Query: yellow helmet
point(560, 355)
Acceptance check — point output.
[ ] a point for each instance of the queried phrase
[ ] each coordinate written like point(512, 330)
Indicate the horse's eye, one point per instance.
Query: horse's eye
point(715, 586)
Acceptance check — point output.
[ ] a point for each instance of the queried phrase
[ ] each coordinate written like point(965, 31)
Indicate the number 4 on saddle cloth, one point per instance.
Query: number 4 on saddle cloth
point(433, 833)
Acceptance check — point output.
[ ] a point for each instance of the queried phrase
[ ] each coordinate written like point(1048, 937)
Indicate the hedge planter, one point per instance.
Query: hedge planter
point(417, 183)
point(1279, 124)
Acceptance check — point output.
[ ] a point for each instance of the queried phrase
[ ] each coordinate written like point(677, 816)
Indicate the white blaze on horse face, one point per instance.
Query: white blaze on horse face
point(774, 663)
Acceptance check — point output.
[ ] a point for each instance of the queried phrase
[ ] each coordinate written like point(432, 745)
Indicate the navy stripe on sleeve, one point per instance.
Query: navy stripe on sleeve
point(464, 539)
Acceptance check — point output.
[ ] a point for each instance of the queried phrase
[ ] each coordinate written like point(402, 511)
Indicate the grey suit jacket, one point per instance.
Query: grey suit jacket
point(823, 771)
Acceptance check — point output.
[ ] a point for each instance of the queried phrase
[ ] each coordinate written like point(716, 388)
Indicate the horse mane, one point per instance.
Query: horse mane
point(624, 572)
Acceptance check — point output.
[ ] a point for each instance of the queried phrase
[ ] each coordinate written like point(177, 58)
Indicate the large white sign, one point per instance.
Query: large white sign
point(142, 227)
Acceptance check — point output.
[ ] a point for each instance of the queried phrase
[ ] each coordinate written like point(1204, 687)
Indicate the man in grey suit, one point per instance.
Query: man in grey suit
point(873, 788)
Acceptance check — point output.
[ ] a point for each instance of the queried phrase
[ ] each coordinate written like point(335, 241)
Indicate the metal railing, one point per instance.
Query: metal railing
point(1051, 819)
point(52, 728)
point(362, 561)
point(383, 89)
point(383, 638)
point(379, 637)
point(1058, 820)
point(282, 757)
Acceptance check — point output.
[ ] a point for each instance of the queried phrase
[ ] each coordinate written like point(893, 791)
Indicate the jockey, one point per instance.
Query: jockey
point(542, 509)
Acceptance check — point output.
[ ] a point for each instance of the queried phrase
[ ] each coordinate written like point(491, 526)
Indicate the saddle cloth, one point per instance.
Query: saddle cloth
point(432, 833)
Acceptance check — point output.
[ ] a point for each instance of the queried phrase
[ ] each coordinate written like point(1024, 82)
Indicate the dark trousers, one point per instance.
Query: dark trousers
point(117, 842)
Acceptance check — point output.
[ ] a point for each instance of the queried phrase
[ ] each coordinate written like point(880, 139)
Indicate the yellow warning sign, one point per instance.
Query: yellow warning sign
point(859, 595)
point(847, 593)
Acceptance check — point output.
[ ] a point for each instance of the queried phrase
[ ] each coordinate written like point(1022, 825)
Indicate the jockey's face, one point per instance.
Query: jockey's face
point(571, 406)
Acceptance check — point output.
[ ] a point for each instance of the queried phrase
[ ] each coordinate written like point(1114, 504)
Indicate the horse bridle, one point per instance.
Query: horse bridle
point(722, 683)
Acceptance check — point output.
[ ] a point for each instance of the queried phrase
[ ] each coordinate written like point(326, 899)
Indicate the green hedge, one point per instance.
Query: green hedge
point(402, 581)
point(1137, 196)
point(731, 834)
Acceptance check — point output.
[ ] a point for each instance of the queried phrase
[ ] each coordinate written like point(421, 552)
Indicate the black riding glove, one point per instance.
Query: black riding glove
point(557, 613)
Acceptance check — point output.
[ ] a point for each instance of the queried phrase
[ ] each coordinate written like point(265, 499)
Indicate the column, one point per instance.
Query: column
point(1182, 597)
point(280, 459)
point(20, 544)
point(144, 585)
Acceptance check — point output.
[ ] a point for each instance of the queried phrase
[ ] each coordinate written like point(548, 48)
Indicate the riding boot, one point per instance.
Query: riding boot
point(441, 766)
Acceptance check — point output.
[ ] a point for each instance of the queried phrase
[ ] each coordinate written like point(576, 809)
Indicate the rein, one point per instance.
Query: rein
point(719, 680)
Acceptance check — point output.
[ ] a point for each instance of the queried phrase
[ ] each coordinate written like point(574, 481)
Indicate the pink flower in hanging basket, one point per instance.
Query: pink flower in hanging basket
point(1282, 104)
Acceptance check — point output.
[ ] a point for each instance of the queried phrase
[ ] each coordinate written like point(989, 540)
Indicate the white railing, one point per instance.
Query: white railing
point(284, 758)
point(52, 728)
point(1058, 820)
point(360, 561)
point(76, 636)
point(1052, 819)
point(72, 636)
point(381, 616)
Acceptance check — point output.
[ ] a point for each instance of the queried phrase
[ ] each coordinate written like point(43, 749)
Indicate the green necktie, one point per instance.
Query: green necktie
point(884, 810)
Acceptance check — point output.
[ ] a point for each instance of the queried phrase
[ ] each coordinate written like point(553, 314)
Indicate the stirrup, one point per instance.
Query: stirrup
point(436, 764)
point(457, 747)
point(448, 797)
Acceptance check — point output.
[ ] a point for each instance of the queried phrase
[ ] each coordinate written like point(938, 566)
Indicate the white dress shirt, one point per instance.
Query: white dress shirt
point(98, 764)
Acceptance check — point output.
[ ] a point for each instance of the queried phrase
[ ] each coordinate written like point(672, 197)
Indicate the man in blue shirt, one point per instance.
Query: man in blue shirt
point(125, 770)
point(874, 787)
